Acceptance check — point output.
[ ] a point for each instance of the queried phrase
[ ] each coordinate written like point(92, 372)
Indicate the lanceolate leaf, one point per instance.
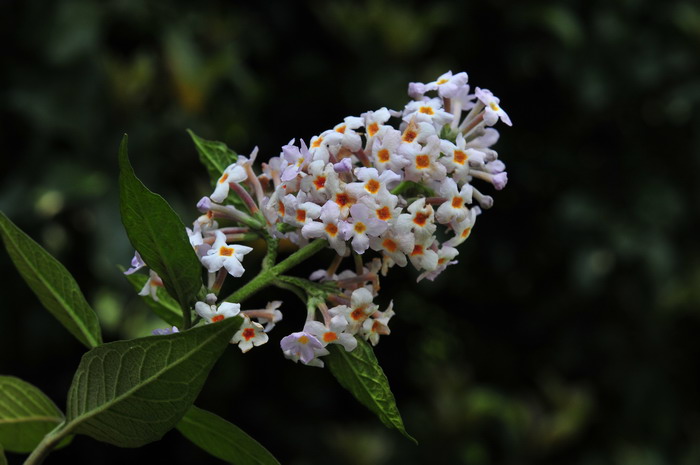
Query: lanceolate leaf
point(214, 155)
point(130, 393)
point(166, 307)
point(156, 231)
point(223, 439)
point(26, 415)
point(359, 372)
point(52, 284)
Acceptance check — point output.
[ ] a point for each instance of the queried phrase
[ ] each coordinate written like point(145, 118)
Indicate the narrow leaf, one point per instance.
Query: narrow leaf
point(52, 284)
point(26, 415)
point(223, 439)
point(166, 307)
point(359, 372)
point(214, 155)
point(3, 460)
point(156, 231)
point(130, 393)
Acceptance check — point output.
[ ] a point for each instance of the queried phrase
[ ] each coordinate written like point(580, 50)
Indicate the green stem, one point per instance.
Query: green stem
point(44, 448)
point(268, 275)
point(291, 288)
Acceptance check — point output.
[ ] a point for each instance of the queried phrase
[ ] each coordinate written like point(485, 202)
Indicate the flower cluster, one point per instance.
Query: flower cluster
point(395, 184)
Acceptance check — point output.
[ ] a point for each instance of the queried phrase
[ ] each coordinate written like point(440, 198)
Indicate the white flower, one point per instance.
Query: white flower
point(213, 313)
point(332, 334)
point(454, 208)
point(361, 307)
point(223, 255)
point(378, 325)
point(329, 227)
point(363, 225)
point(152, 285)
point(492, 110)
point(305, 347)
point(248, 335)
point(234, 173)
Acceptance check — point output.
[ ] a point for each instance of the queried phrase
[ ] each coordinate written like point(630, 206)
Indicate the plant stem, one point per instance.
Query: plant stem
point(46, 445)
point(268, 275)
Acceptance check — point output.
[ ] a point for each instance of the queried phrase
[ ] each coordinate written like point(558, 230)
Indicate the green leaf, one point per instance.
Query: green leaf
point(214, 155)
point(52, 284)
point(26, 415)
point(359, 372)
point(130, 393)
point(3, 460)
point(223, 439)
point(166, 307)
point(156, 231)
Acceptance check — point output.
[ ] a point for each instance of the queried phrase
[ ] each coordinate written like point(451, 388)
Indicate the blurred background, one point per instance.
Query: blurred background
point(569, 331)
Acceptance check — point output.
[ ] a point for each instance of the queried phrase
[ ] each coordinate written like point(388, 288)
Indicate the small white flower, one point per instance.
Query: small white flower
point(152, 285)
point(492, 109)
point(332, 334)
point(305, 347)
point(222, 255)
point(213, 313)
point(234, 173)
point(248, 335)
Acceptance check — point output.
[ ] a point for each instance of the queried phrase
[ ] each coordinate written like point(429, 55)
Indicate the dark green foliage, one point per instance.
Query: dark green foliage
point(130, 393)
point(223, 439)
point(157, 233)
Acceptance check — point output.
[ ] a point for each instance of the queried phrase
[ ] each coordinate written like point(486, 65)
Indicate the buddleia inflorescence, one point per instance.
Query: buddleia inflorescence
point(389, 187)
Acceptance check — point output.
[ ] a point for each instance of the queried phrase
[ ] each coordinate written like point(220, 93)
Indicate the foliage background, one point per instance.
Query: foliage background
point(568, 333)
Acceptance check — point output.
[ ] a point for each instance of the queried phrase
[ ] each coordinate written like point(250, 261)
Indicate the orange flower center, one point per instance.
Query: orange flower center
point(372, 129)
point(384, 213)
point(301, 215)
point(248, 334)
point(226, 251)
point(217, 318)
point(331, 229)
point(383, 156)
point(417, 250)
point(342, 199)
point(319, 182)
point(389, 245)
point(330, 336)
point(457, 202)
point(427, 110)
point(421, 218)
point(223, 178)
point(460, 157)
point(422, 161)
point(360, 227)
point(372, 186)
point(317, 143)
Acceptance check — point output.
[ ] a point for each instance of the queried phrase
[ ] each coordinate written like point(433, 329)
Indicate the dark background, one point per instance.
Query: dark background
point(568, 333)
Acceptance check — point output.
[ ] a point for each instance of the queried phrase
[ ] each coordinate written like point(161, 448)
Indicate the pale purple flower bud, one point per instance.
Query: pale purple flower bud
point(136, 264)
point(165, 331)
point(343, 166)
point(204, 204)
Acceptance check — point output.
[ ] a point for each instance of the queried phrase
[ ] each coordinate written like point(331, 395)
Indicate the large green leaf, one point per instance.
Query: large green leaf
point(214, 155)
point(26, 415)
point(156, 231)
point(359, 372)
point(52, 284)
point(130, 393)
point(223, 439)
point(166, 307)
